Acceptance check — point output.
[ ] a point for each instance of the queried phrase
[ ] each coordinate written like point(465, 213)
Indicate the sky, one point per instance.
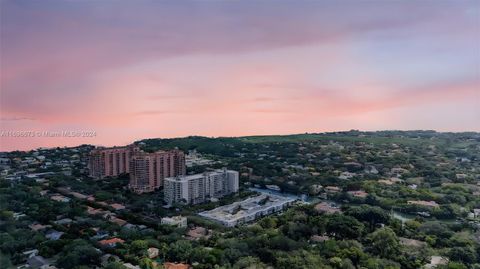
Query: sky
point(115, 71)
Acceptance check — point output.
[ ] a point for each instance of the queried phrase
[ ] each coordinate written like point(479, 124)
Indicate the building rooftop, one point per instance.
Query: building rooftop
point(424, 203)
point(170, 265)
point(326, 207)
point(117, 206)
point(174, 218)
point(246, 207)
point(198, 232)
point(360, 193)
point(37, 262)
point(184, 178)
point(114, 240)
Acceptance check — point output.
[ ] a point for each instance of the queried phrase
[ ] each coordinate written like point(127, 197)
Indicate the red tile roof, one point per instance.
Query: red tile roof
point(111, 241)
point(170, 265)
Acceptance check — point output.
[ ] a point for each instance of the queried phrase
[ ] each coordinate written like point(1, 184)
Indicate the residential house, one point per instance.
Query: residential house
point(358, 194)
point(346, 175)
point(112, 242)
point(332, 189)
point(319, 238)
point(436, 261)
point(117, 206)
point(65, 221)
point(198, 232)
point(131, 266)
point(60, 198)
point(54, 235)
point(170, 265)
point(329, 208)
point(38, 227)
point(431, 204)
point(152, 253)
point(38, 262)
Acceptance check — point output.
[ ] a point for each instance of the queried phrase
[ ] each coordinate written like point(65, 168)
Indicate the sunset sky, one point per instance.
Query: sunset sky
point(130, 70)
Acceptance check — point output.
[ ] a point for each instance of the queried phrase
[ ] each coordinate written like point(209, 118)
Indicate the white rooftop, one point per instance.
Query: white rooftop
point(246, 207)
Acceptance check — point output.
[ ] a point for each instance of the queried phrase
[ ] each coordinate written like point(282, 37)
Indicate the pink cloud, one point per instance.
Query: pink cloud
point(231, 69)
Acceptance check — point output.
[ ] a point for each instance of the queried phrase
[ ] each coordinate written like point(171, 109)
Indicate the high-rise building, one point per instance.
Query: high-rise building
point(147, 170)
point(110, 162)
point(195, 189)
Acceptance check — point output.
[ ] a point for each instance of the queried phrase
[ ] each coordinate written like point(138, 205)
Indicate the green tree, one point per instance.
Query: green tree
point(138, 247)
point(384, 242)
point(115, 265)
point(466, 255)
point(344, 227)
point(5, 260)
point(77, 253)
point(373, 215)
point(249, 262)
point(180, 251)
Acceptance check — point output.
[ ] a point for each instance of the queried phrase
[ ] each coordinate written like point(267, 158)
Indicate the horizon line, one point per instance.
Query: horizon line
point(246, 136)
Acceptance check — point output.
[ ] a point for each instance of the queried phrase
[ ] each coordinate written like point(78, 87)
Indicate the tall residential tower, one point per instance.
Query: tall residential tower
point(110, 162)
point(147, 170)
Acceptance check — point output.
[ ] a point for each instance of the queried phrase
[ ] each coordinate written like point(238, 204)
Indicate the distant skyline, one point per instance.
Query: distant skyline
point(130, 70)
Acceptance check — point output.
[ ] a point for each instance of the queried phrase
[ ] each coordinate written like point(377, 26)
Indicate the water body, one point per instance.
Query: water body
point(403, 217)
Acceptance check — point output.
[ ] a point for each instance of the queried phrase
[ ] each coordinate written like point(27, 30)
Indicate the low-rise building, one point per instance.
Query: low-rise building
point(413, 186)
point(131, 266)
point(178, 221)
point(386, 181)
point(273, 187)
point(171, 265)
point(38, 262)
point(329, 208)
point(194, 158)
point(111, 242)
point(319, 238)
point(198, 232)
point(152, 253)
point(39, 227)
point(117, 206)
point(358, 194)
point(412, 242)
point(332, 189)
point(346, 175)
point(118, 221)
point(65, 221)
point(248, 210)
point(54, 235)
point(435, 261)
point(60, 198)
point(476, 213)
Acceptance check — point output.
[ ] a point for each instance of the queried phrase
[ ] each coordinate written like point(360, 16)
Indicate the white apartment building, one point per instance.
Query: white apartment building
point(179, 221)
point(195, 189)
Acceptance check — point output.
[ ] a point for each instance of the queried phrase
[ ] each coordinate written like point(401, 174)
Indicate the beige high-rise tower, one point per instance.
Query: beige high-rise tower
point(110, 162)
point(147, 170)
